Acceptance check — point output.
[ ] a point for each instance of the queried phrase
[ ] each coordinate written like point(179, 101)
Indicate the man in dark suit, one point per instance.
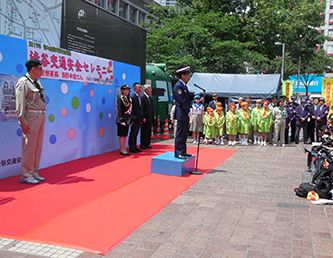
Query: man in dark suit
point(302, 114)
point(290, 121)
point(136, 117)
point(320, 117)
point(312, 123)
point(212, 103)
point(147, 117)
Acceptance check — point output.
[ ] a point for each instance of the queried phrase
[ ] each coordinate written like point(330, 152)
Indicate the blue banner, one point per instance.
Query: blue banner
point(81, 116)
point(314, 81)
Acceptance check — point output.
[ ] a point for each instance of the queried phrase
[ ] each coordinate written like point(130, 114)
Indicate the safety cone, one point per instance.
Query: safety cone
point(166, 130)
point(153, 136)
point(158, 128)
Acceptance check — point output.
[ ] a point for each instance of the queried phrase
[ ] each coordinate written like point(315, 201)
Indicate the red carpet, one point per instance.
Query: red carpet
point(90, 203)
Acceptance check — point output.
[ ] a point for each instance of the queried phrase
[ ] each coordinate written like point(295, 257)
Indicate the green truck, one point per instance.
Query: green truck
point(160, 81)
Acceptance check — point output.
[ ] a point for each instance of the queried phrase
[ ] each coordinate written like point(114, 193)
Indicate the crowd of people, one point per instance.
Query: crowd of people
point(134, 112)
point(268, 120)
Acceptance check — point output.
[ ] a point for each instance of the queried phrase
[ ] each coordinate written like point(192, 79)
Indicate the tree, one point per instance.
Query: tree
point(238, 36)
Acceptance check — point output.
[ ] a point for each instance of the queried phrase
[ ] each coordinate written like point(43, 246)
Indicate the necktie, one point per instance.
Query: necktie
point(39, 90)
point(139, 99)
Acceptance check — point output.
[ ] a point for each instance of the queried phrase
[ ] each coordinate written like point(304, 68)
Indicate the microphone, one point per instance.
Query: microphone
point(196, 85)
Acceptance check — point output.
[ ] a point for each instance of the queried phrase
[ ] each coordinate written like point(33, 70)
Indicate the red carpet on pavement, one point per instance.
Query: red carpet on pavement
point(93, 203)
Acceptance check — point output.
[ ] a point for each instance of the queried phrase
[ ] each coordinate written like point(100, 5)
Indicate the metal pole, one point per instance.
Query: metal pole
point(298, 76)
point(282, 66)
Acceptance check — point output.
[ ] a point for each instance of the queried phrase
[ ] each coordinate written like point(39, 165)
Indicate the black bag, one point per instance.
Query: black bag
point(303, 189)
point(323, 182)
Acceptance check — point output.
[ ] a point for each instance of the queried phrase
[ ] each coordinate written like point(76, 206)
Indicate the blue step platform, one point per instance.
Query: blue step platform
point(167, 164)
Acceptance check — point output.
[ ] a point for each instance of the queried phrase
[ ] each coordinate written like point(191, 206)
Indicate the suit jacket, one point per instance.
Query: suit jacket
point(212, 104)
point(136, 108)
point(182, 97)
point(321, 112)
point(302, 112)
point(147, 108)
point(291, 114)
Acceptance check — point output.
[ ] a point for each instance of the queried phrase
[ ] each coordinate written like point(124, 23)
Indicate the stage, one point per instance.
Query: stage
point(92, 204)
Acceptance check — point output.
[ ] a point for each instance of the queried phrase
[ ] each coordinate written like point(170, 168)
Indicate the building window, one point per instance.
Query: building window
point(133, 14)
point(330, 33)
point(330, 49)
point(101, 3)
point(123, 7)
point(142, 17)
point(112, 5)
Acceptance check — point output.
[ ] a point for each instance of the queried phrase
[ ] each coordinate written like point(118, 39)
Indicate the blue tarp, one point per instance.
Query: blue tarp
point(236, 85)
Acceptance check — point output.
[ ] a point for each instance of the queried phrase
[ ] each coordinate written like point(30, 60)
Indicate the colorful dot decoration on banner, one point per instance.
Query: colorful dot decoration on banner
point(51, 118)
point(88, 107)
point(63, 112)
point(19, 132)
point(1, 57)
point(110, 91)
point(47, 100)
point(75, 103)
point(85, 83)
point(53, 139)
point(19, 68)
point(71, 134)
point(101, 132)
point(103, 101)
point(64, 88)
point(91, 93)
point(100, 115)
point(123, 76)
point(109, 115)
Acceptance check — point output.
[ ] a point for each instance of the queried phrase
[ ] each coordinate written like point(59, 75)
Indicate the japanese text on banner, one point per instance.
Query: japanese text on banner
point(64, 64)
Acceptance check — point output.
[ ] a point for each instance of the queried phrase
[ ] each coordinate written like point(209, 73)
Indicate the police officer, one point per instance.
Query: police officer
point(321, 117)
point(30, 109)
point(182, 98)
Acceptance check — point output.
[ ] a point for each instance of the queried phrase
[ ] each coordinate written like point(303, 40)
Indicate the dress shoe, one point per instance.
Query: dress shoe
point(123, 153)
point(180, 156)
point(149, 146)
point(188, 155)
point(196, 173)
point(143, 147)
point(39, 178)
point(133, 151)
point(138, 150)
point(29, 180)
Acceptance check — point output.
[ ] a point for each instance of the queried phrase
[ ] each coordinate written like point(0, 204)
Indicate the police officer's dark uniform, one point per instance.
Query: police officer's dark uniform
point(181, 95)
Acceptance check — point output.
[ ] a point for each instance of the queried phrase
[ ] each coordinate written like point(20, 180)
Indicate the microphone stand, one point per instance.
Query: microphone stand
point(196, 172)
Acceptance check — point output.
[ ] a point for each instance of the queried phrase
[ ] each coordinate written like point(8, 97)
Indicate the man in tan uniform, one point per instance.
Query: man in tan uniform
point(30, 109)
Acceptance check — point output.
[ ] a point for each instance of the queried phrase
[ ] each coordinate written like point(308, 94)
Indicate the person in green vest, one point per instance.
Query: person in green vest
point(209, 123)
point(231, 124)
point(255, 121)
point(219, 125)
point(265, 122)
point(243, 123)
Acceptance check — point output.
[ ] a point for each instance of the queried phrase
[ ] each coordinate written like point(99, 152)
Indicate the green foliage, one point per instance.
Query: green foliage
point(238, 36)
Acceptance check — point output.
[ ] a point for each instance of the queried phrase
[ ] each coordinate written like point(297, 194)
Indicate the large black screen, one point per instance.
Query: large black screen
point(88, 29)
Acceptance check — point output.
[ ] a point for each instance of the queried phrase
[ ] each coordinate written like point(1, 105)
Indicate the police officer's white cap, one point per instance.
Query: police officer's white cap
point(183, 70)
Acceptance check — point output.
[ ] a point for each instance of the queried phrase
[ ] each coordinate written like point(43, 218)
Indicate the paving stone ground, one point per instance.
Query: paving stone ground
point(245, 207)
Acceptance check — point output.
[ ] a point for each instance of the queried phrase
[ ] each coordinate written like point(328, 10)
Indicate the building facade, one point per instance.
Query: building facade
point(134, 11)
point(327, 29)
point(166, 2)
